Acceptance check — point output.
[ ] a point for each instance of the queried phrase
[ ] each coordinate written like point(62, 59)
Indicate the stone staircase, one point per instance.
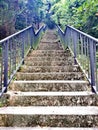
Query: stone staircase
point(49, 92)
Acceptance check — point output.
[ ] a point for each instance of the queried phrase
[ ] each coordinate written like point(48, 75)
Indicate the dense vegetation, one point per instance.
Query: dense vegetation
point(17, 14)
point(82, 14)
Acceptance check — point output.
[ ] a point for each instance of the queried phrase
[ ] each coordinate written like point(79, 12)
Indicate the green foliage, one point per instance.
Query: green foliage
point(50, 23)
point(77, 13)
point(34, 11)
point(20, 22)
point(17, 14)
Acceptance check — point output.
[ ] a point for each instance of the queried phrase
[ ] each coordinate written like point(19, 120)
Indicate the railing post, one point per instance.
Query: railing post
point(32, 37)
point(5, 53)
point(68, 37)
point(75, 47)
point(92, 65)
point(23, 46)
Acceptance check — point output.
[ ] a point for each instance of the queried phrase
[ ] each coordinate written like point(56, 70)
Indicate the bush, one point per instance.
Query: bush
point(50, 23)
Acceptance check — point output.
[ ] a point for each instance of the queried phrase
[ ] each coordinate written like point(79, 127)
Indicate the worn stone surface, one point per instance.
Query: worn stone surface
point(55, 58)
point(49, 69)
point(41, 53)
point(49, 87)
point(49, 121)
point(47, 128)
point(4, 100)
point(16, 100)
point(49, 62)
point(51, 76)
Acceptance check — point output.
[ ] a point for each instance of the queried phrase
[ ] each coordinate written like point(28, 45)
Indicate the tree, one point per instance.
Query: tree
point(8, 12)
point(77, 13)
point(35, 12)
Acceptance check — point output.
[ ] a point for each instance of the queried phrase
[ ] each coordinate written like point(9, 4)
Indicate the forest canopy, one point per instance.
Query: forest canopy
point(18, 14)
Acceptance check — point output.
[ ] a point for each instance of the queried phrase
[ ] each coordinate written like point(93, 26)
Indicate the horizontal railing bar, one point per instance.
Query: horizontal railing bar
point(87, 35)
point(13, 35)
point(60, 29)
point(14, 52)
point(38, 30)
point(82, 46)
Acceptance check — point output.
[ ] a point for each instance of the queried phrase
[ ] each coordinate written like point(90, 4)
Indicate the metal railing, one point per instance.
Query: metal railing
point(13, 49)
point(85, 50)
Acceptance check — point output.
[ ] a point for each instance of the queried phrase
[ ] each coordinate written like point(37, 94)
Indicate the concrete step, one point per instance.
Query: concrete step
point(48, 58)
point(49, 85)
point(48, 53)
point(49, 47)
point(69, 68)
point(50, 41)
point(52, 99)
point(49, 63)
point(51, 76)
point(45, 128)
point(54, 116)
point(49, 44)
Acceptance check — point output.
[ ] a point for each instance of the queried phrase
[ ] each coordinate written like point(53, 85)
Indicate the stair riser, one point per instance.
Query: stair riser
point(45, 76)
point(48, 87)
point(52, 45)
point(48, 121)
point(47, 63)
point(51, 51)
point(49, 54)
point(48, 58)
point(49, 48)
point(65, 52)
point(16, 100)
point(49, 69)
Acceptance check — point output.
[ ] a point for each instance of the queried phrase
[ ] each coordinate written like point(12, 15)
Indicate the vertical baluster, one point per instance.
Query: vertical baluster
point(92, 65)
point(1, 74)
point(69, 44)
point(88, 56)
point(23, 46)
point(75, 46)
point(33, 38)
point(97, 66)
point(6, 65)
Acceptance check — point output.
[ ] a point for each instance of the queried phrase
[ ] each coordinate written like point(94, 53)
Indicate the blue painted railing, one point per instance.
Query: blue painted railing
point(85, 50)
point(13, 49)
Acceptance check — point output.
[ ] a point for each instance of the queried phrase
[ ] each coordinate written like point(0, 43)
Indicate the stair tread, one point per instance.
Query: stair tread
point(50, 110)
point(46, 73)
point(52, 81)
point(42, 93)
point(53, 66)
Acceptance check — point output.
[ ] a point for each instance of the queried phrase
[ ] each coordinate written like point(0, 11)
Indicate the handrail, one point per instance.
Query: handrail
point(13, 50)
point(7, 38)
point(93, 38)
point(85, 50)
